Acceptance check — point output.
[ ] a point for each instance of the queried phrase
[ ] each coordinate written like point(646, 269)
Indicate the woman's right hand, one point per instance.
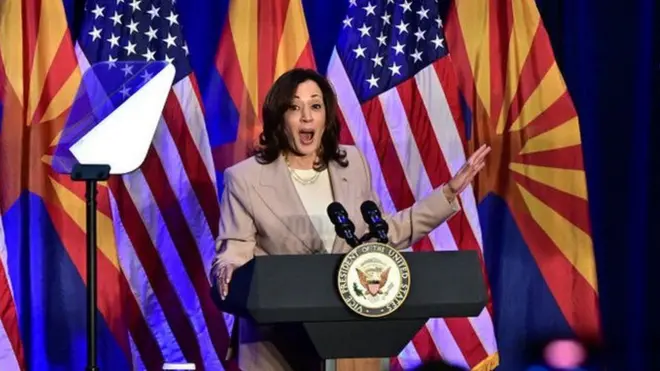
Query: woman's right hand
point(224, 277)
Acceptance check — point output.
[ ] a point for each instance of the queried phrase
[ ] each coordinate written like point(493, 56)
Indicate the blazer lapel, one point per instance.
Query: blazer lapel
point(278, 192)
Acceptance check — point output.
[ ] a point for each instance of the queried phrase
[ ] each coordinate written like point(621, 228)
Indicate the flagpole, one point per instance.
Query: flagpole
point(91, 175)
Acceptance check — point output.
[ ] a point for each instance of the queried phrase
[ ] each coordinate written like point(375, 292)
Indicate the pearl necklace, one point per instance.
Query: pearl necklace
point(299, 179)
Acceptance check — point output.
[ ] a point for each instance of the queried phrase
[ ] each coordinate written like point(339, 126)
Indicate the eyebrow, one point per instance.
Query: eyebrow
point(313, 96)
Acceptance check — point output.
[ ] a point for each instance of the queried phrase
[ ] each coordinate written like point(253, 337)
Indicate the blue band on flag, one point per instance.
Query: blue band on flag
point(50, 294)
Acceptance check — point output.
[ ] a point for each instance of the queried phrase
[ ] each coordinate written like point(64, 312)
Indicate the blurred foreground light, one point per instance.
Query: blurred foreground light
point(565, 354)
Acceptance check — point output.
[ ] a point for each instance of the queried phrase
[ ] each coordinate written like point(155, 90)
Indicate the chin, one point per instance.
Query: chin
point(308, 150)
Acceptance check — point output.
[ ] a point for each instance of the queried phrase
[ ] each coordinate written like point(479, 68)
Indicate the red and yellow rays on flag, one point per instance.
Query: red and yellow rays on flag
point(521, 107)
point(40, 76)
point(261, 40)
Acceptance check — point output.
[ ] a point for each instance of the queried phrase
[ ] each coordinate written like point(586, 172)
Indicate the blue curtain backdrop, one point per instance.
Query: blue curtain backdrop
point(609, 53)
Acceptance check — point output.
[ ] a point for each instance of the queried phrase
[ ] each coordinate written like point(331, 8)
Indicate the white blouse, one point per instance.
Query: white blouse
point(316, 195)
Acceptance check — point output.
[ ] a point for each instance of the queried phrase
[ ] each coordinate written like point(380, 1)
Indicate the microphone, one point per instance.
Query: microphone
point(344, 227)
point(378, 227)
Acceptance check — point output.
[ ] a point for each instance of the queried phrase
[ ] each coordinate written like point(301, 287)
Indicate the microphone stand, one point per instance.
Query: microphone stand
point(367, 236)
point(373, 233)
point(348, 235)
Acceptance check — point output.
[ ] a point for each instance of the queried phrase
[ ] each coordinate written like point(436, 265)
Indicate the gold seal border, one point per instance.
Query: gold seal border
point(356, 251)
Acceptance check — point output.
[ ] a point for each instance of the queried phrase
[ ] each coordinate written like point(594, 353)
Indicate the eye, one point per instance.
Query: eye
point(317, 106)
point(293, 107)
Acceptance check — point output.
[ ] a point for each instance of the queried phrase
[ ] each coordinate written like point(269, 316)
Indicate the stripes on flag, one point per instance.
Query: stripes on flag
point(11, 347)
point(437, 339)
point(166, 213)
point(404, 114)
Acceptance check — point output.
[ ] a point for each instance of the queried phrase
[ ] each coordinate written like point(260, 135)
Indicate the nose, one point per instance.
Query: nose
point(306, 114)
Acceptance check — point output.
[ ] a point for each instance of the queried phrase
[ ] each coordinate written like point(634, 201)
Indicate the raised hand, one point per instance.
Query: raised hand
point(466, 173)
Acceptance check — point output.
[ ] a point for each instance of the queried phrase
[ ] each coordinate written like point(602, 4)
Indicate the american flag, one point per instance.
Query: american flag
point(165, 215)
point(398, 96)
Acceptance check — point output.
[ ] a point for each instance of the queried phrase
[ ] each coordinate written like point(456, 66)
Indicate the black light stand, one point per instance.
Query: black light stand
point(91, 175)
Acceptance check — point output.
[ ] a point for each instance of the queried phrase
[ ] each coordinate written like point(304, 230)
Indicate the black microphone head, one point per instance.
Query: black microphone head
point(344, 227)
point(372, 216)
point(369, 206)
point(370, 212)
point(335, 210)
point(336, 207)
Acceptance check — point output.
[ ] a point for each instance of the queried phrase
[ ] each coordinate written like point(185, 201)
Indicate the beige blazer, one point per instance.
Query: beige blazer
point(261, 213)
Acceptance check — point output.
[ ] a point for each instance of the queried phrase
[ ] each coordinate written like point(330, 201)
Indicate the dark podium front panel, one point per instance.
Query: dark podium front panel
point(301, 290)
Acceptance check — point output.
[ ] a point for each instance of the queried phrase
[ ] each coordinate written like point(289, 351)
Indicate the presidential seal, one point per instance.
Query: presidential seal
point(373, 279)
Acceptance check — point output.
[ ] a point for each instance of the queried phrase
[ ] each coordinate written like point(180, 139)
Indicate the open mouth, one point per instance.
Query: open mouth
point(306, 136)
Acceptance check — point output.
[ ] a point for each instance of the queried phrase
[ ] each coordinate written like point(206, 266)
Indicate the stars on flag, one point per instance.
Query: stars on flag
point(383, 43)
point(134, 30)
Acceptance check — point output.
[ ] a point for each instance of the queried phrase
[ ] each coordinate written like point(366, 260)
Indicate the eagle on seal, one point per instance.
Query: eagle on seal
point(373, 281)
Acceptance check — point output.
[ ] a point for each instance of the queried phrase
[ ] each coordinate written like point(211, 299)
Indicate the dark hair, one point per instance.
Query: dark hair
point(273, 139)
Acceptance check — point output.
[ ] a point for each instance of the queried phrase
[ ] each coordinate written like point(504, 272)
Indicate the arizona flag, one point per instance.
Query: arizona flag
point(42, 285)
point(260, 41)
point(532, 193)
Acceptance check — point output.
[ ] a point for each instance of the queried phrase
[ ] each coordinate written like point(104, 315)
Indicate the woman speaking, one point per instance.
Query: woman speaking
point(275, 202)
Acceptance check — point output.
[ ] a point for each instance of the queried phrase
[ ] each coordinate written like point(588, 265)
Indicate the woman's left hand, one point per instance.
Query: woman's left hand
point(467, 172)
